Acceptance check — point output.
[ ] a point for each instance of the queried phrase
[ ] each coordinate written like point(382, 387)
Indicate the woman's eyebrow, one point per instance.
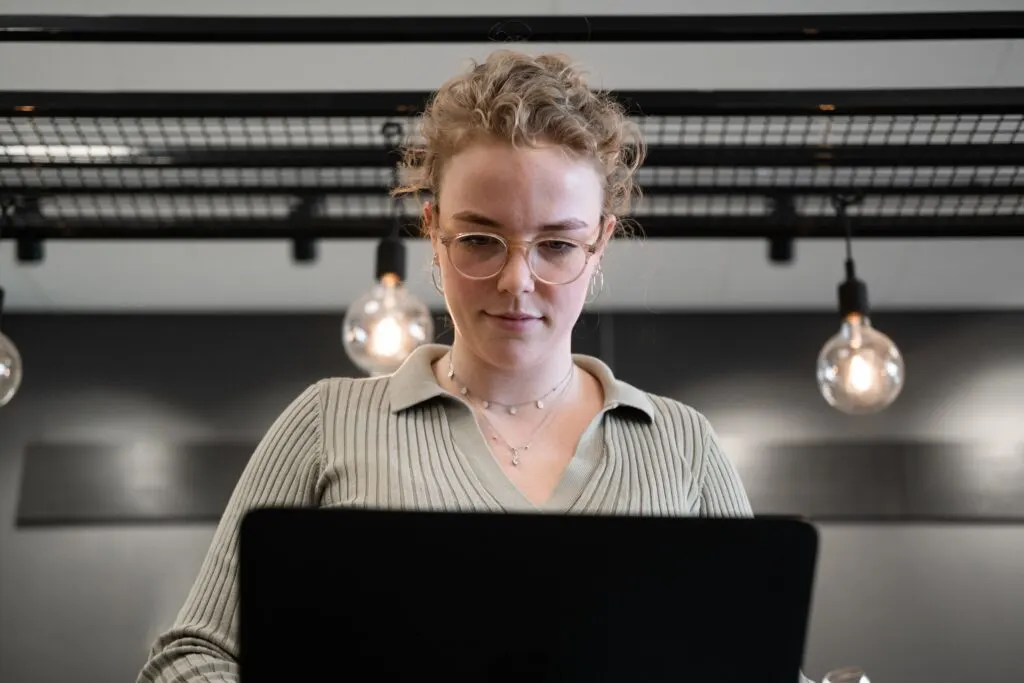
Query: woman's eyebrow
point(559, 226)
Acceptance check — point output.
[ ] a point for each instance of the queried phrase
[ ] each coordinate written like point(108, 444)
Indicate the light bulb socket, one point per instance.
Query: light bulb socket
point(780, 249)
point(853, 294)
point(30, 250)
point(304, 250)
point(391, 257)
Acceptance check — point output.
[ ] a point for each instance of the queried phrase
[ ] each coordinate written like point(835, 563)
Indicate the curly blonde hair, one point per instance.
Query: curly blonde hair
point(524, 100)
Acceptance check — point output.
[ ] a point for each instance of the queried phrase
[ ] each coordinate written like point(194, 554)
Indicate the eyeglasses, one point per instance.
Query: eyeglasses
point(553, 260)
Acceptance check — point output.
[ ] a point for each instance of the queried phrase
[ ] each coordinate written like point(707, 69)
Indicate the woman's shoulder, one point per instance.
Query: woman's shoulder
point(689, 434)
point(673, 409)
point(665, 424)
point(679, 419)
point(661, 416)
point(662, 412)
point(392, 394)
point(351, 392)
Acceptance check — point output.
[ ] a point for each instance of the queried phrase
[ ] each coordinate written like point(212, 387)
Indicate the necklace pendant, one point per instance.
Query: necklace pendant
point(540, 405)
point(515, 457)
point(463, 391)
point(486, 404)
point(512, 410)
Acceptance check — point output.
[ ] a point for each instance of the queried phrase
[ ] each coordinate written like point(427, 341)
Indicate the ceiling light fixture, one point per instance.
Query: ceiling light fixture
point(859, 370)
point(382, 327)
point(10, 357)
point(10, 363)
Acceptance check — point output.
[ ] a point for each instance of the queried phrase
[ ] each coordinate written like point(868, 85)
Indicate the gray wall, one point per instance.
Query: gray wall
point(912, 602)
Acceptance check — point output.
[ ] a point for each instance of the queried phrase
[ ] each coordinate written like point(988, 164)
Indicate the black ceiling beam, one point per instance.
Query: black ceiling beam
point(658, 156)
point(655, 227)
point(205, 190)
point(505, 29)
point(853, 102)
point(354, 156)
point(923, 101)
point(661, 190)
point(668, 190)
point(767, 156)
point(164, 104)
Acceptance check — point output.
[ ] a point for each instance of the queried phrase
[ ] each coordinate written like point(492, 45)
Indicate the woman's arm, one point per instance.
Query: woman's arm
point(721, 491)
point(202, 645)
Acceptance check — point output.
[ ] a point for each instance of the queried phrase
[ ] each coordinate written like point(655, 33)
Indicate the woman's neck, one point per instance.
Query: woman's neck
point(509, 387)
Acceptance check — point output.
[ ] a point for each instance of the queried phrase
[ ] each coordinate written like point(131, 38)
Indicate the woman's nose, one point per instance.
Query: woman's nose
point(516, 277)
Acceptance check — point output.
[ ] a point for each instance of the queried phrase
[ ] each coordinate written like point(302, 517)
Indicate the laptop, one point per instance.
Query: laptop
point(396, 596)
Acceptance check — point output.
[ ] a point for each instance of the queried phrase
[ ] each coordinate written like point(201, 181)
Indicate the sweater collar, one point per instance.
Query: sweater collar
point(414, 382)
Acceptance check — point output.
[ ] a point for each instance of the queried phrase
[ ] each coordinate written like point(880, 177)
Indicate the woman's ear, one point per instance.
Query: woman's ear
point(608, 230)
point(430, 223)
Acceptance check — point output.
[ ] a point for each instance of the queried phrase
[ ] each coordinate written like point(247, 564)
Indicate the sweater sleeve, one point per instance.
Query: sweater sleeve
point(721, 491)
point(202, 645)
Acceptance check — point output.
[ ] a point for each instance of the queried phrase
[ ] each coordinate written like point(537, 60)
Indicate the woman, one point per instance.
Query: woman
point(528, 169)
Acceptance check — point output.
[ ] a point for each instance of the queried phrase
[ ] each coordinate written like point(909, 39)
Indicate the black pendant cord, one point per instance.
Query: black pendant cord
point(840, 204)
point(853, 293)
point(849, 236)
point(391, 250)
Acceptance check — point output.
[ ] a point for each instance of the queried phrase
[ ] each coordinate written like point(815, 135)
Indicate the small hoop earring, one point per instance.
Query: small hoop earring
point(435, 276)
point(596, 285)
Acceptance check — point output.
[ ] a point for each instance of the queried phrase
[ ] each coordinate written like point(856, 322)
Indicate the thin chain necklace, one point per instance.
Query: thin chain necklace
point(511, 408)
point(518, 450)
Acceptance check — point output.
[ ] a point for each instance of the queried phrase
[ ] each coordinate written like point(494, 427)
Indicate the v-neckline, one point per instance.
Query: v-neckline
point(471, 444)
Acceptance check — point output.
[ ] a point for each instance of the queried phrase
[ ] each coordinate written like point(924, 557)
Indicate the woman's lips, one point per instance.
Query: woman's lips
point(516, 322)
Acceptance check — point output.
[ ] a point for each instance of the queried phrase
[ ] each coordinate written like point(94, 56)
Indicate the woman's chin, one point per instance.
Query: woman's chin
point(510, 351)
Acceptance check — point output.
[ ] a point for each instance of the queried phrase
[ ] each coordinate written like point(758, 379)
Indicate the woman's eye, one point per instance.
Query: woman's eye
point(558, 245)
point(478, 241)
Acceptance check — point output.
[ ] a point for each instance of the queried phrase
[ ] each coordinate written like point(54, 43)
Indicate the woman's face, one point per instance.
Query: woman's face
point(514, 319)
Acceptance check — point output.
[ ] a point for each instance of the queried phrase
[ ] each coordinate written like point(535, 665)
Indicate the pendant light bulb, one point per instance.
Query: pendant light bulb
point(860, 370)
point(10, 369)
point(384, 326)
point(10, 364)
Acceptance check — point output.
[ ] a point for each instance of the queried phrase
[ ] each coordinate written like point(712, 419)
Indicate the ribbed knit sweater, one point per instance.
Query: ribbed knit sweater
point(402, 441)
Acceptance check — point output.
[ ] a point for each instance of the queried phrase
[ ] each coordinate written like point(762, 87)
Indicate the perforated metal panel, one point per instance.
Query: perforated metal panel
point(718, 165)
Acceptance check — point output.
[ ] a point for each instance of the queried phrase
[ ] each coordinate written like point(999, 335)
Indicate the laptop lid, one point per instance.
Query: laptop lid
point(407, 596)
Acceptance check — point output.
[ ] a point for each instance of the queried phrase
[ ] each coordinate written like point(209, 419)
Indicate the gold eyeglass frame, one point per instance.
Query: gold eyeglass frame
point(589, 249)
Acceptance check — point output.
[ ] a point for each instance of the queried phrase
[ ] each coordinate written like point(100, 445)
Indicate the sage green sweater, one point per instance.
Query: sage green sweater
point(401, 441)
